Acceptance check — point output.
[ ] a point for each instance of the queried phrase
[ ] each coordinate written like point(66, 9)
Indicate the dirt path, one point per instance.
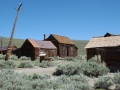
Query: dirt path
point(36, 69)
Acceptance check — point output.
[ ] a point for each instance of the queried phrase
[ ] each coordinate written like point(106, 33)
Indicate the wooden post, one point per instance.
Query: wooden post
point(9, 51)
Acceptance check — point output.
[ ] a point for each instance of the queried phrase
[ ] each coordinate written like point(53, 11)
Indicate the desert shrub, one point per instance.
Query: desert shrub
point(38, 76)
point(24, 58)
point(36, 62)
point(9, 80)
point(103, 82)
point(2, 57)
point(45, 64)
point(68, 69)
point(117, 86)
point(7, 64)
point(93, 69)
point(26, 64)
point(75, 82)
point(13, 57)
point(79, 78)
point(13, 81)
point(70, 59)
point(117, 80)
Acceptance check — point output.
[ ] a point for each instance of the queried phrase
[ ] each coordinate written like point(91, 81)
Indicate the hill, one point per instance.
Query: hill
point(18, 42)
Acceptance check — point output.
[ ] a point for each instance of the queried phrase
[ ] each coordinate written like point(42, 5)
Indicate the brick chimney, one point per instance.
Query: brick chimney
point(44, 36)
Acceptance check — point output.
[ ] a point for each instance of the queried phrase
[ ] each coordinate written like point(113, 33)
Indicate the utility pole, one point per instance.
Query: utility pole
point(9, 51)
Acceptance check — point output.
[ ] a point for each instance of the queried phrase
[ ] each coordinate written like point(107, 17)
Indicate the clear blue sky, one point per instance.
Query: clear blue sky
point(76, 19)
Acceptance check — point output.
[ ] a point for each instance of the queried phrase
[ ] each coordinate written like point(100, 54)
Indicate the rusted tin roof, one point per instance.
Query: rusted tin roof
point(63, 39)
point(4, 48)
point(42, 44)
point(111, 41)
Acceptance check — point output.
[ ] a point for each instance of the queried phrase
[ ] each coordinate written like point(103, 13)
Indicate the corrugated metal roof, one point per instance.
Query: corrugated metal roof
point(63, 39)
point(103, 42)
point(42, 44)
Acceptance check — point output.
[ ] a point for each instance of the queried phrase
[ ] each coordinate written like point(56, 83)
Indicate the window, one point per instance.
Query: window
point(63, 49)
point(71, 49)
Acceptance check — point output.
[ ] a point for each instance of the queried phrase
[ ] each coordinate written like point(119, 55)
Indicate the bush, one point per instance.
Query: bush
point(117, 80)
point(24, 58)
point(2, 56)
point(38, 76)
point(26, 64)
point(7, 64)
point(36, 62)
point(68, 69)
point(54, 58)
point(9, 80)
point(45, 64)
point(75, 82)
point(103, 82)
point(93, 69)
point(13, 57)
point(70, 59)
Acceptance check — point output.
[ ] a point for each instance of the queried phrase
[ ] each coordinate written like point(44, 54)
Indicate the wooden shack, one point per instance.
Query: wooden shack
point(108, 47)
point(38, 48)
point(4, 49)
point(65, 46)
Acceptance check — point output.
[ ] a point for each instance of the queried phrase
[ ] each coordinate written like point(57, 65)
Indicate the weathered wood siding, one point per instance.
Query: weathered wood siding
point(112, 57)
point(91, 52)
point(67, 48)
point(28, 50)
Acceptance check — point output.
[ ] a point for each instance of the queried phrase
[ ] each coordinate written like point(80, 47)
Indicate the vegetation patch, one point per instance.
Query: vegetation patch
point(117, 80)
point(26, 64)
point(7, 64)
point(9, 80)
point(104, 82)
point(93, 69)
point(24, 58)
point(45, 64)
point(68, 69)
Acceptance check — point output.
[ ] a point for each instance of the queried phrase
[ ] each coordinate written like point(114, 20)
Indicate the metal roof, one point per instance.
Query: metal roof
point(42, 44)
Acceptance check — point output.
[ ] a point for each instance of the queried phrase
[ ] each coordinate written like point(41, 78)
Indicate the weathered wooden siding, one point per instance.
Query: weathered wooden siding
point(67, 49)
point(67, 52)
point(91, 52)
point(28, 50)
point(112, 57)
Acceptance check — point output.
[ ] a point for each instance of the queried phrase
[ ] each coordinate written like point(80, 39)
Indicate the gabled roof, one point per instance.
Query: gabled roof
point(108, 34)
point(62, 39)
point(111, 41)
point(42, 44)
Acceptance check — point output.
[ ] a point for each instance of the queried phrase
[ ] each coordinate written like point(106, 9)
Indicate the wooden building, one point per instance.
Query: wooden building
point(38, 48)
point(65, 46)
point(108, 47)
point(4, 49)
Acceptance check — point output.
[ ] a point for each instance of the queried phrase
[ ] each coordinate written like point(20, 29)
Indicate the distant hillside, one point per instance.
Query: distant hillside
point(18, 42)
point(81, 44)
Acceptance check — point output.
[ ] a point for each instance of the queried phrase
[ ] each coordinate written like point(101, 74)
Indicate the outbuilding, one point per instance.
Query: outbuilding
point(38, 48)
point(65, 46)
point(108, 47)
